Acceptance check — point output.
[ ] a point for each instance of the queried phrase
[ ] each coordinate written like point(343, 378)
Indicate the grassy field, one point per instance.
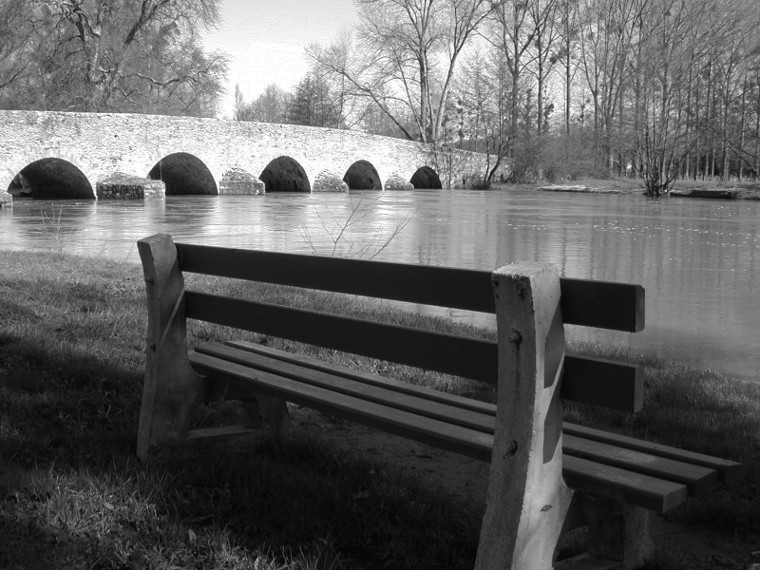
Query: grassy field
point(72, 494)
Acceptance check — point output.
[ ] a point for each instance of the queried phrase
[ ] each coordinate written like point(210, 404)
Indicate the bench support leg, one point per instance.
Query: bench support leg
point(171, 389)
point(619, 532)
point(268, 412)
point(527, 499)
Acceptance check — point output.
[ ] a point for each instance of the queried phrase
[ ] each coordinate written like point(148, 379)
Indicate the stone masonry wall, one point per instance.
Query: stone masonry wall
point(101, 144)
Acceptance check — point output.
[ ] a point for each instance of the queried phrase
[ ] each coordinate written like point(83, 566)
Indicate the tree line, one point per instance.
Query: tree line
point(561, 89)
point(657, 89)
point(142, 56)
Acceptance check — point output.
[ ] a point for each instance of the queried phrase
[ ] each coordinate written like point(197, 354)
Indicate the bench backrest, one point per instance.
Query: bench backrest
point(590, 303)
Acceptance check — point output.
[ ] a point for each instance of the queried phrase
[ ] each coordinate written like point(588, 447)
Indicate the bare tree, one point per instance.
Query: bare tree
point(269, 107)
point(123, 55)
point(676, 41)
point(272, 105)
point(569, 26)
point(409, 52)
point(607, 41)
point(18, 37)
point(354, 231)
point(512, 35)
point(350, 103)
point(484, 92)
point(544, 20)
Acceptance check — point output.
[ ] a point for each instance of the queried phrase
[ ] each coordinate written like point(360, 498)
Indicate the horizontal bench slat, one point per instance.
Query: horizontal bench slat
point(223, 434)
point(727, 470)
point(602, 304)
point(460, 356)
point(722, 466)
point(615, 483)
point(614, 384)
point(602, 382)
point(605, 377)
point(463, 440)
point(697, 478)
point(419, 403)
point(634, 488)
point(461, 402)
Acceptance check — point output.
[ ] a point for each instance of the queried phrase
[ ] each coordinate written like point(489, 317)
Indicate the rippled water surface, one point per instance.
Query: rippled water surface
point(699, 260)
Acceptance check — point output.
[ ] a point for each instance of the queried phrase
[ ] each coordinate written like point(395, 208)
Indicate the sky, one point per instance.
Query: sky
point(265, 40)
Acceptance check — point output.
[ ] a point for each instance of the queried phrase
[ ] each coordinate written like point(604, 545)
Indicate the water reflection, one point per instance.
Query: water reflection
point(698, 260)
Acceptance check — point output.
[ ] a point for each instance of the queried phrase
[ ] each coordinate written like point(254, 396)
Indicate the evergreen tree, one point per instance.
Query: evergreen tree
point(312, 104)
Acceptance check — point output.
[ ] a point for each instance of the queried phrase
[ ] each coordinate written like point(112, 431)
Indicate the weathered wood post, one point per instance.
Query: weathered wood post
point(171, 387)
point(619, 532)
point(527, 499)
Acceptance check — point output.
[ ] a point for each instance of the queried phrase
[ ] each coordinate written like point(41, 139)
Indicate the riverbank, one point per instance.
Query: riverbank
point(682, 189)
point(72, 495)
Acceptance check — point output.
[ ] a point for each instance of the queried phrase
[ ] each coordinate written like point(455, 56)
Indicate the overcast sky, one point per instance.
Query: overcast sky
point(265, 40)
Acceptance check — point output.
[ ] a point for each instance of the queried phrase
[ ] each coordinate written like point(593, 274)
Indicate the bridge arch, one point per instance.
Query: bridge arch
point(184, 173)
point(285, 174)
point(52, 178)
point(362, 175)
point(426, 177)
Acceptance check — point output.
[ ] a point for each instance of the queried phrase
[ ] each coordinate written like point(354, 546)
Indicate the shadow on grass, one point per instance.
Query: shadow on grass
point(72, 494)
point(702, 411)
point(71, 491)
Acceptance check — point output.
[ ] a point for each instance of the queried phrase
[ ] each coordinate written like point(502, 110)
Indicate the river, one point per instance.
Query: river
point(698, 259)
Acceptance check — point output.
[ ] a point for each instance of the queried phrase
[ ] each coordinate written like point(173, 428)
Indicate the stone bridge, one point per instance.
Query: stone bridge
point(80, 155)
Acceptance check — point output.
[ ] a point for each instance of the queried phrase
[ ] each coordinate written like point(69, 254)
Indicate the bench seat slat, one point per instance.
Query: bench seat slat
point(601, 382)
point(601, 304)
point(220, 434)
point(467, 441)
point(416, 403)
point(695, 477)
point(638, 463)
point(461, 402)
point(604, 480)
point(615, 483)
point(727, 470)
point(460, 356)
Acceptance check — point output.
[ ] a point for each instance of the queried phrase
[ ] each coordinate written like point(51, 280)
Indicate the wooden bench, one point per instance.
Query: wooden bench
point(546, 476)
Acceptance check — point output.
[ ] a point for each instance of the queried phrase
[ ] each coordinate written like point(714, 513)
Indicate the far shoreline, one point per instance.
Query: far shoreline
point(720, 190)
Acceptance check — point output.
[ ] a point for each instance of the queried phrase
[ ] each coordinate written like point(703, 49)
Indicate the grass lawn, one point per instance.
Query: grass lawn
point(72, 494)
